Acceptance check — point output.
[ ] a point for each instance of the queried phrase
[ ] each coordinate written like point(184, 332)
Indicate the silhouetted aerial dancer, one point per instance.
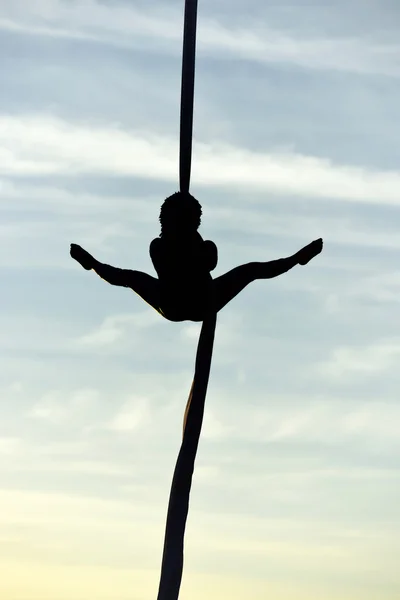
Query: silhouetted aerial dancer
point(185, 290)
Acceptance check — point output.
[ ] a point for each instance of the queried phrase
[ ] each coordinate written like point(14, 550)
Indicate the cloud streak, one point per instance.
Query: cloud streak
point(362, 360)
point(159, 29)
point(39, 146)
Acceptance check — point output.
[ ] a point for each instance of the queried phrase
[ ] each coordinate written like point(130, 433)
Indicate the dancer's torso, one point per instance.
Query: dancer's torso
point(185, 279)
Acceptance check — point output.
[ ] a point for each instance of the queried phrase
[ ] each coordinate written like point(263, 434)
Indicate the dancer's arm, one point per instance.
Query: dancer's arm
point(156, 254)
point(208, 249)
point(211, 255)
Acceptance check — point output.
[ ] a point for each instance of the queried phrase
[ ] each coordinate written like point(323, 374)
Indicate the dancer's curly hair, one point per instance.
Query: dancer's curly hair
point(182, 210)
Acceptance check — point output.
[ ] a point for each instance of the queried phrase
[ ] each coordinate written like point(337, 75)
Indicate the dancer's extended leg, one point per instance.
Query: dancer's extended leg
point(146, 286)
point(227, 286)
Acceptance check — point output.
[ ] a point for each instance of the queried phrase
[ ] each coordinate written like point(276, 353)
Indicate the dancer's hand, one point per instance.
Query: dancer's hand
point(84, 258)
point(310, 251)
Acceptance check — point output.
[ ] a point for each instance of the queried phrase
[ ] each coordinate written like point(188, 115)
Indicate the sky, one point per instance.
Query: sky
point(296, 493)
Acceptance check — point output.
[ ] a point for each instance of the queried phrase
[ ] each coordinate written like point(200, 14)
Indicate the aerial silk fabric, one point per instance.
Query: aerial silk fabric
point(178, 508)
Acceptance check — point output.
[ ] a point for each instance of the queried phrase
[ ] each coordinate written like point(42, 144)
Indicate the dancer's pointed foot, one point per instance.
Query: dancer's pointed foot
point(84, 258)
point(310, 251)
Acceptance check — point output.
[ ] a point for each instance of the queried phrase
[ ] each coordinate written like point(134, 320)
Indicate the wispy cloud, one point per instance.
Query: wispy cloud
point(117, 327)
point(57, 406)
point(329, 421)
point(214, 428)
point(159, 28)
point(49, 146)
point(362, 360)
point(10, 445)
point(135, 413)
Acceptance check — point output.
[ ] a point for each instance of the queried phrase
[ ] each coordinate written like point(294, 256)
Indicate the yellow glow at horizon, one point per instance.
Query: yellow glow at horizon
point(34, 581)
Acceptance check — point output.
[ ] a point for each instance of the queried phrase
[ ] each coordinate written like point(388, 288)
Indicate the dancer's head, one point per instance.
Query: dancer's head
point(180, 214)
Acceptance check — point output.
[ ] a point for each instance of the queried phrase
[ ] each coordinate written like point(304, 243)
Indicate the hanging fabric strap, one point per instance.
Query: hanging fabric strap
point(178, 507)
point(187, 94)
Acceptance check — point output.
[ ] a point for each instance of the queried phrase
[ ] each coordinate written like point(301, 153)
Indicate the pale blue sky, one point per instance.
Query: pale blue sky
point(296, 490)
